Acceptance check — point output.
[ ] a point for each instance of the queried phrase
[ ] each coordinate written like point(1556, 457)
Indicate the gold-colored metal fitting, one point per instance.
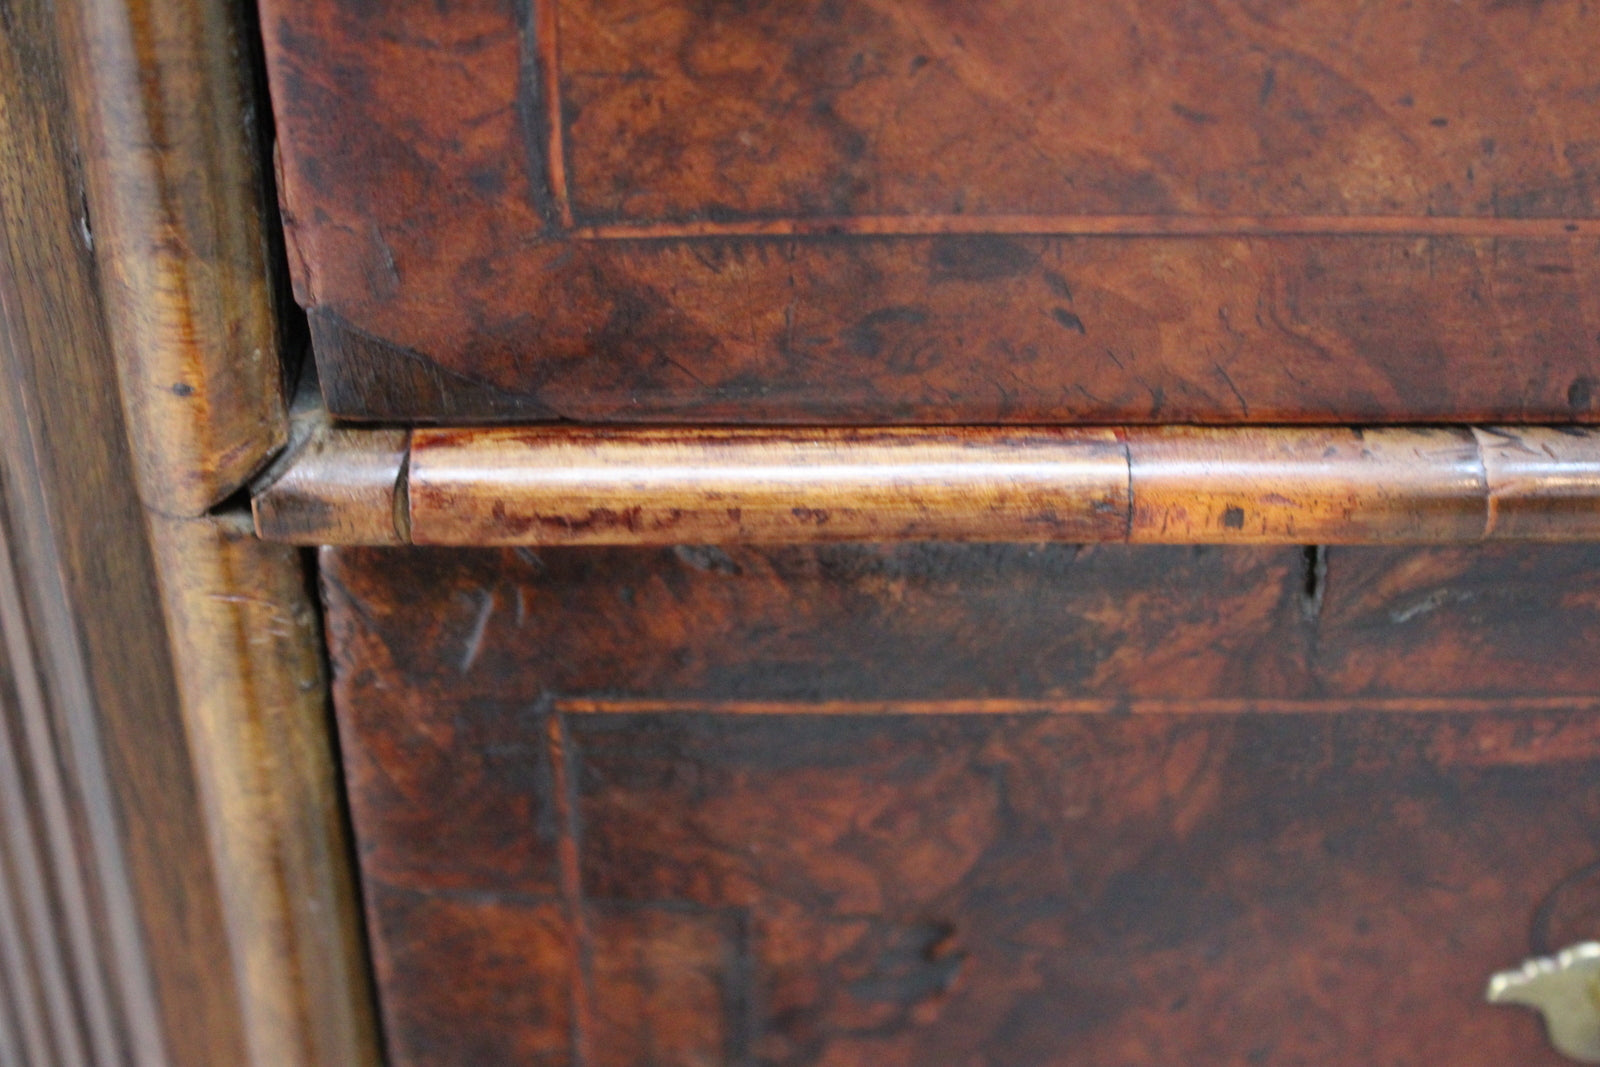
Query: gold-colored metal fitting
point(1565, 989)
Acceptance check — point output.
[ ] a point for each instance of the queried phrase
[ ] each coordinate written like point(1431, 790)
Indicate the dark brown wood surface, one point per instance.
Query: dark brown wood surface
point(870, 211)
point(174, 876)
point(119, 953)
point(851, 805)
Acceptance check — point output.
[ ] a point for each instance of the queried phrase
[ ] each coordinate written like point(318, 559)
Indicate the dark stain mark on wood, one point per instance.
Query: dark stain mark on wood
point(1580, 394)
point(1068, 319)
point(981, 259)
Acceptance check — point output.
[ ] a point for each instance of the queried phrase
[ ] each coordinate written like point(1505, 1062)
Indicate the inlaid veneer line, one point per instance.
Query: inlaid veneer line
point(1152, 485)
point(558, 742)
point(1077, 706)
point(544, 18)
point(1174, 225)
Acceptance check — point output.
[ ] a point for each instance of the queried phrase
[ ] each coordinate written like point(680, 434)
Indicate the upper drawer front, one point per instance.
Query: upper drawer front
point(911, 210)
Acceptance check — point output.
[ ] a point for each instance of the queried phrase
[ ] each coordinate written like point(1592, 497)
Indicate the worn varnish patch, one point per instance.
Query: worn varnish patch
point(905, 212)
point(692, 806)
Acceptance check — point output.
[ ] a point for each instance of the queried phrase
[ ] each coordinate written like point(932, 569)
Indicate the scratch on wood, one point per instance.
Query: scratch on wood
point(480, 623)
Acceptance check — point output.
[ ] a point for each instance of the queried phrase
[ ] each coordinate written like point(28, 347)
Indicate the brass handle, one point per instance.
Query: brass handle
point(1565, 989)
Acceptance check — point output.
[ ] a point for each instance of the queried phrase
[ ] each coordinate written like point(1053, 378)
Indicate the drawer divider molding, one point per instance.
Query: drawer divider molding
point(1154, 485)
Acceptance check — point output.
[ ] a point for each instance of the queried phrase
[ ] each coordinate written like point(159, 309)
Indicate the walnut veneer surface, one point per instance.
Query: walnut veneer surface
point(896, 805)
point(918, 211)
point(885, 805)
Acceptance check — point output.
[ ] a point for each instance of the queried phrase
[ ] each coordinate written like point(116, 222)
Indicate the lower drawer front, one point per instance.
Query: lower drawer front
point(967, 804)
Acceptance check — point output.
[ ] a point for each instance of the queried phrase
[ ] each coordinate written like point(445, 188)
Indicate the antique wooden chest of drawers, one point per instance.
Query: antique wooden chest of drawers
point(843, 532)
point(860, 804)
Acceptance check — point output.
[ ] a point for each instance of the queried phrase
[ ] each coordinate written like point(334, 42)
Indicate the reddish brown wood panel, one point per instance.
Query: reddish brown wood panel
point(889, 107)
point(1460, 621)
point(1096, 626)
point(559, 873)
point(876, 212)
point(897, 891)
point(1043, 891)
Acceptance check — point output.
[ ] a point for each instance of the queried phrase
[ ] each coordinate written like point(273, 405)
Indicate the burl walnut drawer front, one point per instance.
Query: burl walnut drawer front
point(869, 806)
point(919, 210)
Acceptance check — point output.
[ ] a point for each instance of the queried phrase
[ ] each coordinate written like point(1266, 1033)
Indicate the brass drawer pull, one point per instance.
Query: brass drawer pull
point(1565, 989)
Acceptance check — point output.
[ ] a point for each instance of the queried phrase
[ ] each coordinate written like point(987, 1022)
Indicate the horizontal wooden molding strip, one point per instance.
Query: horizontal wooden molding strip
point(1154, 485)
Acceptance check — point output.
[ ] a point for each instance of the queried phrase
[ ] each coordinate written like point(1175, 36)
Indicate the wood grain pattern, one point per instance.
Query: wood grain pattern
point(255, 709)
point(675, 111)
point(813, 624)
point(129, 897)
point(874, 212)
point(896, 887)
point(1148, 892)
point(177, 211)
point(1030, 891)
point(182, 686)
point(913, 625)
point(1400, 616)
point(591, 487)
point(966, 329)
point(1274, 485)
